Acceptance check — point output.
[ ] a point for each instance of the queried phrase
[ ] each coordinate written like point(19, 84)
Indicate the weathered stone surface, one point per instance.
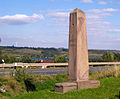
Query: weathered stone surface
point(88, 84)
point(78, 50)
point(69, 86)
point(65, 87)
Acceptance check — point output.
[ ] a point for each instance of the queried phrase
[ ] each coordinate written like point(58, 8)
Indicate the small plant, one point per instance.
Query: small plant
point(22, 76)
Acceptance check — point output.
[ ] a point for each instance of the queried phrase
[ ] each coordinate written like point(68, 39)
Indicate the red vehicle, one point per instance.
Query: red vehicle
point(46, 61)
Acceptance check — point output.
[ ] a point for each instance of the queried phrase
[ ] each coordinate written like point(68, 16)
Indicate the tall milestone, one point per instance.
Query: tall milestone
point(78, 50)
point(78, 56)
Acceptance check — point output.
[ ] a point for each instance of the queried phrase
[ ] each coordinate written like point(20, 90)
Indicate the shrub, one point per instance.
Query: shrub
point(22, 76)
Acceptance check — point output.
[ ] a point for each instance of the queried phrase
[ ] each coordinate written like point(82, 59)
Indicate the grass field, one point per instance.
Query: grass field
point(25, 51)
point(27, 86)
point(109, 89)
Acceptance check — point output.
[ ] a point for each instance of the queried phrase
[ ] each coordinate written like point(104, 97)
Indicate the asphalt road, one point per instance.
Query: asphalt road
point(54, 71)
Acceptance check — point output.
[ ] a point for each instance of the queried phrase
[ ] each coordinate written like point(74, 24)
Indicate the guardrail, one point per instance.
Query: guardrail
point(45, 65)
point(42, 65)
point(104, 63)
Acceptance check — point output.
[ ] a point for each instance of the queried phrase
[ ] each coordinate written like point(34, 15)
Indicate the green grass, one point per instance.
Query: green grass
point(109, 89)
point(22, 85)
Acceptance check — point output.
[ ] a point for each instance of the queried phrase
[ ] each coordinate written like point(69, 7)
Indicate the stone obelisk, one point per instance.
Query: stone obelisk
point(78, 56)
point(78, 50)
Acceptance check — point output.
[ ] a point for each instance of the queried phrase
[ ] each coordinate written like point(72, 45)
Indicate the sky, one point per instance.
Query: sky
point(45, 23)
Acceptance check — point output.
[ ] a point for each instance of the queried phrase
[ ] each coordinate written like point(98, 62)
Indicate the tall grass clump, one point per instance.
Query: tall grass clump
point(115, 72)
point(28, 80)
point(10, 86)
point(21, 75)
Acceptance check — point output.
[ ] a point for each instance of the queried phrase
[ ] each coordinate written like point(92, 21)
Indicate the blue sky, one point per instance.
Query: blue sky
point(44, 23)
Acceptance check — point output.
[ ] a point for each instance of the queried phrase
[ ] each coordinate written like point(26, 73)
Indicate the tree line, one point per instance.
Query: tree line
point(27, 59)
point(106, 57)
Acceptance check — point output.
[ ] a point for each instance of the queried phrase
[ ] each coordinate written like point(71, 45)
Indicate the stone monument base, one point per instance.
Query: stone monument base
point(68, 86)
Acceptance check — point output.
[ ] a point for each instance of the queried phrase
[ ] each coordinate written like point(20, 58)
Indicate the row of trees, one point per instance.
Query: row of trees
point(107, 57)
point(26, 59)
point(112, 57)
point(12, 59)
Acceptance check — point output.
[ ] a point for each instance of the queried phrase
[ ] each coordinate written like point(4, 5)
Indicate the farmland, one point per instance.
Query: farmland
point(46, 52)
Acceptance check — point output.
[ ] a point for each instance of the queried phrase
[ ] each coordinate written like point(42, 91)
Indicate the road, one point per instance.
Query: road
point(54, 71)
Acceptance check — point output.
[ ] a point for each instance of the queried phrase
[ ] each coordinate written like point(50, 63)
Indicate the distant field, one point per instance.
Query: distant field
point(46, 52)
point(20, 52)
point(32, 52)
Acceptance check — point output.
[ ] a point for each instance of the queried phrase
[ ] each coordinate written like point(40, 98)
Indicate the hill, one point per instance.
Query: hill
point(46, 52)
point(32, 52)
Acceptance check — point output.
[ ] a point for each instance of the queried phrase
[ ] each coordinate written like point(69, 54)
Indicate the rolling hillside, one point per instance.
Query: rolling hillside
point(46, 52)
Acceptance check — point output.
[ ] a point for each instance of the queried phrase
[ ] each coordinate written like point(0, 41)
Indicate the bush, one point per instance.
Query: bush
point(59, 59)
point(22, 76)
point(27, 60)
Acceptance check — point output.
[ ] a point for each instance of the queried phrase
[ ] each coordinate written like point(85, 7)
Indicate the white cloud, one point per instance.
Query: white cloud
point(59, 17)
point(95, 10)
point(103, 10)
point(97, 27)
point(111, 10)
point(98, 16)
point(94, 21)
point(103, 42)
point(58, 14)
point(99, 30)
point(63, 32)
point(87, 1)
point(20, 19)
point(30, 41)
point(114, 30)
point(59, 10)
point(102, 3)
point(107, 23)
point(58, 25)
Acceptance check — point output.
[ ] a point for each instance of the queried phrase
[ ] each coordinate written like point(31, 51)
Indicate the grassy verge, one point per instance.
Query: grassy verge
point(109, 90)
point(22, 83)
point(26, 86)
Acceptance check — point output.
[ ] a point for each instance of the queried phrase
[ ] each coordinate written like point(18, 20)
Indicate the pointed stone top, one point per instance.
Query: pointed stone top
point(77, 10)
